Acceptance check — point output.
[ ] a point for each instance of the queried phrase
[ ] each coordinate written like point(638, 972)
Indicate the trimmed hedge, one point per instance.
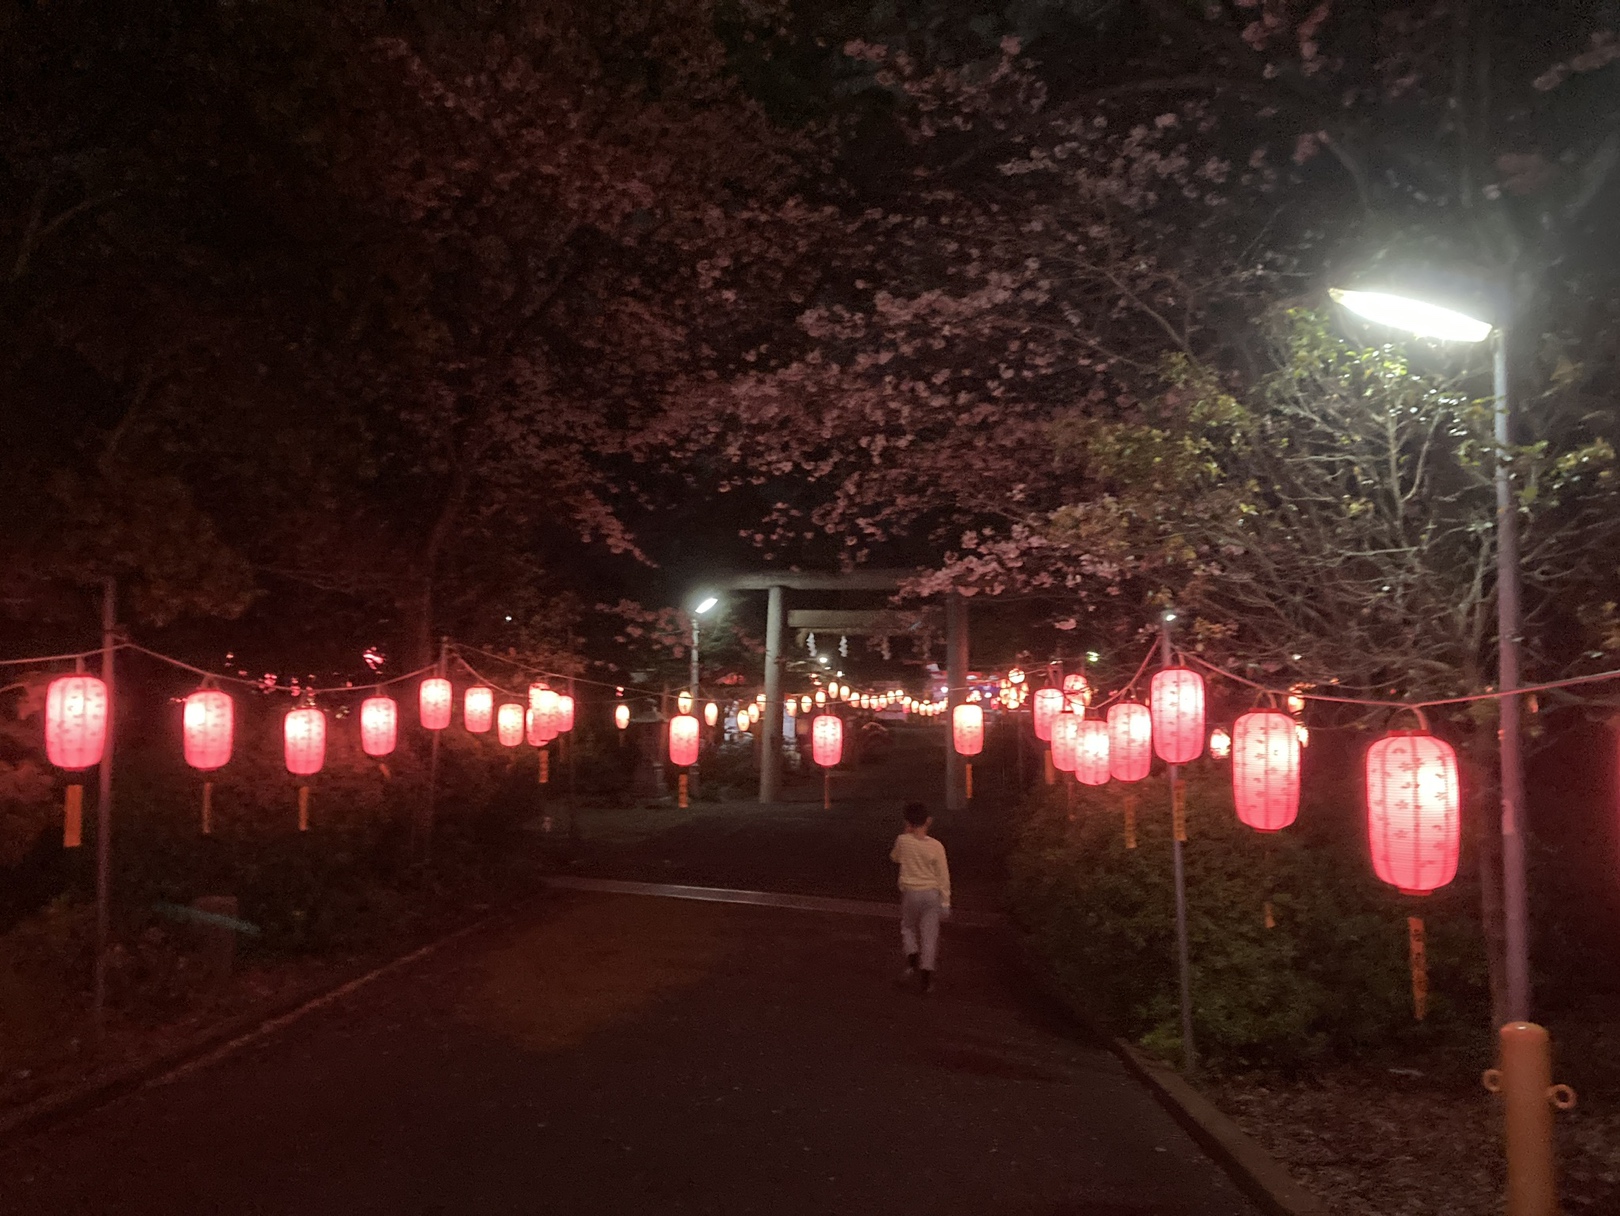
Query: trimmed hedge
point(1329, 980)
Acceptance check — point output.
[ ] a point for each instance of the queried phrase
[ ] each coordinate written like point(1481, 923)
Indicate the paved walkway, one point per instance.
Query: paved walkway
point(626, 1054)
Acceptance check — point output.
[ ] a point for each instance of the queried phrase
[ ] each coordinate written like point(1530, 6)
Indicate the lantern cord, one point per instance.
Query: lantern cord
point(461, 648)
point(259, 685)
point(483, 679)
point(50, 658)
point(1131, 683)
point(1496, 695)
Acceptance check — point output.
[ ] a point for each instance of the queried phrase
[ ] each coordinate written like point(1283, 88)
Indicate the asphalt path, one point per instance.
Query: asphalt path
point(624, 1054)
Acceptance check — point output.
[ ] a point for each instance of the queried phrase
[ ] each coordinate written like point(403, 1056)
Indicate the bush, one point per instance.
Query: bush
point(1328, 980)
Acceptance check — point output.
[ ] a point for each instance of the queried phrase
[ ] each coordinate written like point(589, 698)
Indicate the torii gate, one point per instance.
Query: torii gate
point(777, 620)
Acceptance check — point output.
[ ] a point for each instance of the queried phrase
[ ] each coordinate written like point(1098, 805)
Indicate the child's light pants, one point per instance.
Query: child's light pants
point(919, 925)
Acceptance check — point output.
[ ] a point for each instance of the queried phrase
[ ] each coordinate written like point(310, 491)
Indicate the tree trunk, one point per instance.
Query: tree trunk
point(417, 607)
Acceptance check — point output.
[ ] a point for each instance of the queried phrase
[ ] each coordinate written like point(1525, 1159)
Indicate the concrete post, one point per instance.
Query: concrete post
point(956, 674)
point(770, 755)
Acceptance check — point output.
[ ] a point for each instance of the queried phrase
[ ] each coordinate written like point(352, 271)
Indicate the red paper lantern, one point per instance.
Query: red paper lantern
point(75, 722)
point(1177, 696)
point(621, 716)
point(565, 714)
point(435, 703)
point(1077, 692)
point(478, 709)
point(711, 714)
point(1265, 770)
point(379, 725)
point(1413, 811)
point(683, 740)
point(1048, 704)
point(1065, 741)
point(509, 724)
point(1091, 751)
point(967, 729)
point(827, 739)
point(208, 726)
point(304, 732)
point(545, 715)
point(1130, 741)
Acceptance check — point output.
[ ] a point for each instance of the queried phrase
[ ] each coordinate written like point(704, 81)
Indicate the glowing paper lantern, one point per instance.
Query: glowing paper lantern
point(1065, 741)
point(1178, 714)
point(683, 740)
point(478, 709)
point(826, 739)
point(821, 696)
point(379, 725)
point(683, 701)
point(509, 724)
point(1265, 770)
point(531, 729)
point(1130, 741)
point(304, 733)
point(1091, 751)
point(75, 722)
point(711, 714)
point(621, 716)
point(546, 707)
point(1077, 691)
point(1048, 704)
point(804, 703)
point(967, 730)
point(1413, 805)
point(208, 727)
point(565, 713)
point(434, 702)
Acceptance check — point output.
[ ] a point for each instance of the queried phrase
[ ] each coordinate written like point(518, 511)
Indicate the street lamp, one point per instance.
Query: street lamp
point(1525, 1050)
point(1426, 318)
point(704, 605)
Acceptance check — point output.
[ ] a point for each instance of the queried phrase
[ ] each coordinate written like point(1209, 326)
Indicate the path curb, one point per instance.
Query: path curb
point(885, 910)
point(206, 1047)
point(1258, 1175)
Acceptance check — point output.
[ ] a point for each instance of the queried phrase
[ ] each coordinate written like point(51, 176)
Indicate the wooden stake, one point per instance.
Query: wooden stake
point(545, 767)
point(73, 817)
point(208, 808)
point(1178, 811)
point(1130, 820)
point(1048, 768)
point(303, 807)
point(968, 781)
point(681, 792)
point(1420, 967)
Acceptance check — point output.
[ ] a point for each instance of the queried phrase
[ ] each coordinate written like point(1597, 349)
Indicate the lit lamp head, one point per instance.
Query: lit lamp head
point(1412, 315)
point(1418, 296)
point(705, 604)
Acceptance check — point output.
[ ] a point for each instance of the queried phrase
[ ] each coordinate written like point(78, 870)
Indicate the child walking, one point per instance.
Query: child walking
point(925, 892)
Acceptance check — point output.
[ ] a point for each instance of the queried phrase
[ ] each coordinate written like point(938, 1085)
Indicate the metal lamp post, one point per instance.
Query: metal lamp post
point(706, 604)
point(1525, 1074)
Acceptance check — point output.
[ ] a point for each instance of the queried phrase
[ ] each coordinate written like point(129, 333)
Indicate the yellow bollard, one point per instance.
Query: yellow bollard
point(1528, 1099)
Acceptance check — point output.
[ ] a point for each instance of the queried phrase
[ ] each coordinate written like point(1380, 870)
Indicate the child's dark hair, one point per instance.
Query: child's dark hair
point(916, 814)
